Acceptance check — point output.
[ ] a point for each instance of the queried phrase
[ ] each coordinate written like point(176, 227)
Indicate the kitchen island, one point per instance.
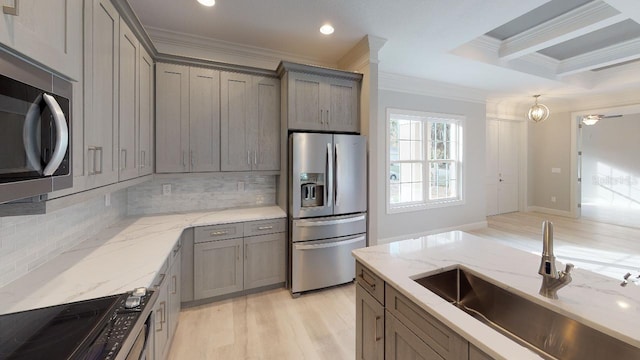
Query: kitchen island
point(597, 301)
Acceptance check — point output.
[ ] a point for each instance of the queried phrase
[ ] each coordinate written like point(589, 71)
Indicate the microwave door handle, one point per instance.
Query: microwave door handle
point(62, 135)
point(30, 137)
point(329, 175)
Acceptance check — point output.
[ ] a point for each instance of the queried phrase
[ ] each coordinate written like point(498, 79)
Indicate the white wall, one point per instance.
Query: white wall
point(469, 214)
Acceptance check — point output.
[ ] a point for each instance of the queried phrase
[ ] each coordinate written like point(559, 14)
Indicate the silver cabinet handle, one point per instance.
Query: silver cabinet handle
point(255, 157)
point(11, 10)
point(62, 134)
point(246, 251)
point(175, 284)
point(377, 338)
point(321, 118)
point(184, 159)
point(192, 158)
point(265, 227)
point(248, 157)
point(328, 118)
point(218, 233)
point(123, 157)
point(96, 171)
point(92, 168)
point(143, 155)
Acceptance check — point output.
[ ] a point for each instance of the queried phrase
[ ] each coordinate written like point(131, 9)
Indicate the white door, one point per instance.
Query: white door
point(502, 166)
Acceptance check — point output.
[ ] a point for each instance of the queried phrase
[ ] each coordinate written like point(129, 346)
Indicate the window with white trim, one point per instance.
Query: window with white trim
point(424, 160)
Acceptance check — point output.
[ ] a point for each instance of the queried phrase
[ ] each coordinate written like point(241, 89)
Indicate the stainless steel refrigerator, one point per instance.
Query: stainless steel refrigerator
point(327, 208)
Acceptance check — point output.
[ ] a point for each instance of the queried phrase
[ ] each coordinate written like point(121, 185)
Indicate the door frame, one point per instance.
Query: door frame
point(576, 146)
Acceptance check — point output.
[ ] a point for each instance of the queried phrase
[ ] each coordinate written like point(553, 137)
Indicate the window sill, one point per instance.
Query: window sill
point(397, 209)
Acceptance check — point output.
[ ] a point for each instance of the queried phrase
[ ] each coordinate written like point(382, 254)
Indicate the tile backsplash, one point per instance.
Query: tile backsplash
point(201, 192)
point(27, 242)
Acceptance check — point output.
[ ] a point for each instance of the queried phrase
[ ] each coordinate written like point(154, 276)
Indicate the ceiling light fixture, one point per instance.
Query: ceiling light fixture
point(590, 119)
point(207, 2)
point(326, 29)
point(538, 112)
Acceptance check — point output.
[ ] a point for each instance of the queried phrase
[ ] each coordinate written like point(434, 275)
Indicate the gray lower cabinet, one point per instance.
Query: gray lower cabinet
point(234, 257)
point(409, 331)
point(369, 326)
point(167, 307)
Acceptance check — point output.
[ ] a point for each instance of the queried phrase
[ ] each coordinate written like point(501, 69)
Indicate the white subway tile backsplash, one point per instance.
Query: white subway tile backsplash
point(201, 192)
point(29, 241)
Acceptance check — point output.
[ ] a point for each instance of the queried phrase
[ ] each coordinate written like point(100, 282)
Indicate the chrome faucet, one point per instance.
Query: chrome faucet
point(552, 280)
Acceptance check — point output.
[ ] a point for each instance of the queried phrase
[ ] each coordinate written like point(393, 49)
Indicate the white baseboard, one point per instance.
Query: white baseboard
point(463, 227)
point(544, 210)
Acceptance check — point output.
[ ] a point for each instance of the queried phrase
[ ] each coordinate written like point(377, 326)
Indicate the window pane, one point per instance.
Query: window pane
point(394, 193)
point(394, 172)
point(442, 180)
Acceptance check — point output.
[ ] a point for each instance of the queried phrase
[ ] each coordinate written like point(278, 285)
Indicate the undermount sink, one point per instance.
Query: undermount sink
point(547, 333)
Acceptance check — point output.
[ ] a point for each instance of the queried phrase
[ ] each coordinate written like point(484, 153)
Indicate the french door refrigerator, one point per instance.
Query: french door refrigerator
point(327, 208)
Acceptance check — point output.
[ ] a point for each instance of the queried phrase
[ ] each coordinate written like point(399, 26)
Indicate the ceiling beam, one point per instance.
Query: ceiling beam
point(583, 20)
point(614, 54)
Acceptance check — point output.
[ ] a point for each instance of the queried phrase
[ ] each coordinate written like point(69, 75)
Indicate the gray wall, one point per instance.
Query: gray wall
point(391, 226)
point(549, 146)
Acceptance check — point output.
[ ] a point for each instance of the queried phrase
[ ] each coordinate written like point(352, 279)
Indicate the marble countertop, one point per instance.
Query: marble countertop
point(593, 299)
point(124, 256)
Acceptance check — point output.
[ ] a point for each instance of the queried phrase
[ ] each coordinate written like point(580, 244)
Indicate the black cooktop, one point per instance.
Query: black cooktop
point(56, 332)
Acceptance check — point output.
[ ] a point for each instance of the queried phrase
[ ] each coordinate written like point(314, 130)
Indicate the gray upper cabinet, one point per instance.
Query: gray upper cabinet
point(101, 93)
point(128, 113)
point(187, 119)
point(250, 122)
point(172, 118)
point(49, 32)
point(145, 113)
point(319, 99)
point(204, 120)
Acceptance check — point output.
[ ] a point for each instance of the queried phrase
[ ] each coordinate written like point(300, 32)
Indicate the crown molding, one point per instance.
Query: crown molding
point(365, 52)
point(420, 86)
point(199, 47)
point(587, 18)
point(130, 17)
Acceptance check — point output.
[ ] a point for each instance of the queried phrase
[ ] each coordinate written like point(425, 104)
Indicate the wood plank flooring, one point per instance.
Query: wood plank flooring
point(270, 325)
point(321, 325)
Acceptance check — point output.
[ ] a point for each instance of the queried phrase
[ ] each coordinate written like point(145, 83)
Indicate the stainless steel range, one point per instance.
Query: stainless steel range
point(112, 327)
point(327, 208)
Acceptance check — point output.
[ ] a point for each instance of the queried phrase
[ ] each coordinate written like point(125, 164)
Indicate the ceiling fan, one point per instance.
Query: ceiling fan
point(594, 118)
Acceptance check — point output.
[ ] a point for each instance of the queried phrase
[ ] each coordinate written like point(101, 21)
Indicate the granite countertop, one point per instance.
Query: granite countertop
point(124, 256)
point(593, 299)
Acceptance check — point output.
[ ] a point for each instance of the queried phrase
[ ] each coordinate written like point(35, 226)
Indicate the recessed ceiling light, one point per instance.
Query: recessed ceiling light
point(207, 2)
point(326, 29)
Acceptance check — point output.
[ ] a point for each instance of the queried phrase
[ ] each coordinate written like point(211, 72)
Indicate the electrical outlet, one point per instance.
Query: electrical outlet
point(107, 199)
point(166, 189)
point(553, 199)
point(240, 185)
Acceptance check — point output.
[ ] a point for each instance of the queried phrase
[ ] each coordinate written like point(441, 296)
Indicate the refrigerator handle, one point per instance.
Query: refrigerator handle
point(329, 177)
point(335, 182)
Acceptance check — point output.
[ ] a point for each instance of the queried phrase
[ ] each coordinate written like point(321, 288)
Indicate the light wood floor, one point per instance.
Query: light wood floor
point(270, 325)
point(321, 325)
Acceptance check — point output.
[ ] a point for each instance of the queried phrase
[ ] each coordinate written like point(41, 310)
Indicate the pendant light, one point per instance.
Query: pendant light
point(538, 112)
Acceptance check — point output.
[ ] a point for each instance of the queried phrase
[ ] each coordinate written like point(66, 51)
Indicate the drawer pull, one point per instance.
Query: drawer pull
point(265, 227)
point(372, 286)
point(218, 233)
point(378, 338)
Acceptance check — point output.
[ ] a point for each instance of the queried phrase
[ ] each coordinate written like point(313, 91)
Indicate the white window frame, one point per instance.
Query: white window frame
point(427, 118)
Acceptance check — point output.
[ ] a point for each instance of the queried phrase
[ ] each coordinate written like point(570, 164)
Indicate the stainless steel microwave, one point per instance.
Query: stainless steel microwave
point(35, 130)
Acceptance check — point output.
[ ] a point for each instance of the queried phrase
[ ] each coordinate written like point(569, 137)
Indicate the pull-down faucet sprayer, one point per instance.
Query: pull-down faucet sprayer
point(552, 280)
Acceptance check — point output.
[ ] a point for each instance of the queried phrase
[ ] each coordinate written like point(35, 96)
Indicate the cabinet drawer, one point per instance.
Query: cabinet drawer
point(217, 232)
point(370, 282)
point(265, 227)
point(443, 340)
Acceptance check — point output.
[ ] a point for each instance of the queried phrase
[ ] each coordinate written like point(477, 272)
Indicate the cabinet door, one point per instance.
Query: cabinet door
point(305, 111)
point(101, 97)
point(266, 127)
point(146, 86)
point(204, 119)
point(341, 97)
point(401, 343)
point(128, 113)
point(172, 118)
point(235, 93)
point(161, 330)
point(264, 260)
point(369, 326)
point(217, 268)
point(50, 32)
point(174, 294)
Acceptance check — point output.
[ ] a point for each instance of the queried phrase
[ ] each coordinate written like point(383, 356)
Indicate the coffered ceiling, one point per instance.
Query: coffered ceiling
point(502, 48)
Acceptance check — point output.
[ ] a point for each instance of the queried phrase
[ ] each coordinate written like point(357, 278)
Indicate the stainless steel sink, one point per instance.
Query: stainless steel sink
point(551, 335)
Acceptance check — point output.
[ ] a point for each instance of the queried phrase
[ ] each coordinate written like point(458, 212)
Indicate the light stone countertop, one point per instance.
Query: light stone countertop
point(593, 299)
point(124, 256)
